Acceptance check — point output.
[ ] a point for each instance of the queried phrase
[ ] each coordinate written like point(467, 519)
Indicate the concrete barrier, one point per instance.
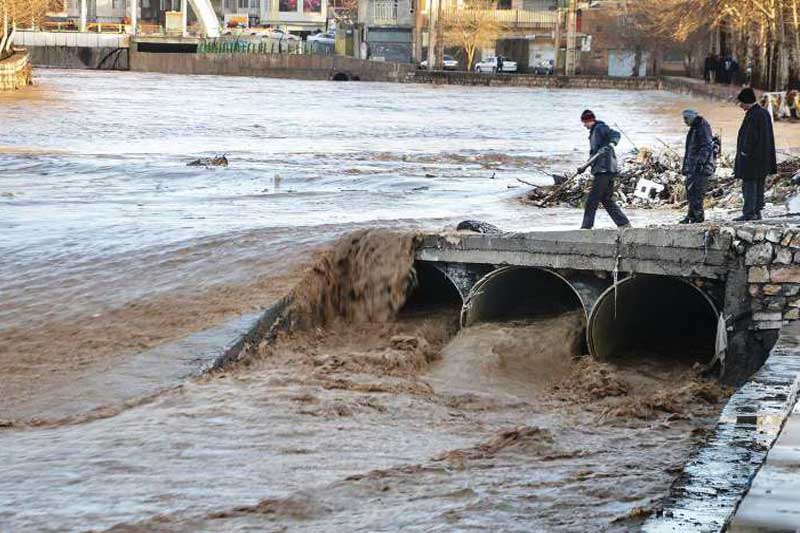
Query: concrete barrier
point(79, 57)
point(535, 81)
point(304, 67)
point(15, 72)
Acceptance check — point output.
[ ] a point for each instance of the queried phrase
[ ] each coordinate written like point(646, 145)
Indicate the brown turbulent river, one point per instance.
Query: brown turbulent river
point(110, 245)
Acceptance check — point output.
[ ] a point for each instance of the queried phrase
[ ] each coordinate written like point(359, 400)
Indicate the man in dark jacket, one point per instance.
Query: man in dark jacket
point(602, 140)
point(698, 164)
point(755, 154)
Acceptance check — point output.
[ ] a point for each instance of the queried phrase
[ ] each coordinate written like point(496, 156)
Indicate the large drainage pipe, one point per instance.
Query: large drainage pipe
point(653, 316)
point(432, 289)
point(512, 293)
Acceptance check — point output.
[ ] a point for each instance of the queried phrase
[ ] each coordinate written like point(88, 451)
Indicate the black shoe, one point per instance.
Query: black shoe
point(686, 220)
point(758, 216)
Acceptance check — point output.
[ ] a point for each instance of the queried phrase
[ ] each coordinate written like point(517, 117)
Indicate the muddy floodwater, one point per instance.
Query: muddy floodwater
point(110, 245)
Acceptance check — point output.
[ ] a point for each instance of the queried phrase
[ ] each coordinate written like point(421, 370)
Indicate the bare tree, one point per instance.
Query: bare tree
point(471, 26)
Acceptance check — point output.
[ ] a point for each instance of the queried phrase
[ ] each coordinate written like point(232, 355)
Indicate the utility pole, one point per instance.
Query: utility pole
point(134, 16)
point(572, 38)
point(433, 38)
point(418, 19)
point(557, 39)
point(184, 17)
point(84, 15)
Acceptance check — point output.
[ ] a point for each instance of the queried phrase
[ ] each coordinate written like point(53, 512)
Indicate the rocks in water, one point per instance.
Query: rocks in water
point(477, 226)
point(217, 161)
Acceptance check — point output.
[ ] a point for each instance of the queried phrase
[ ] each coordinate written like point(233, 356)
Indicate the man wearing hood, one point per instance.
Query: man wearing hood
point(755, 154)
point(602, 140)
point(698, 164)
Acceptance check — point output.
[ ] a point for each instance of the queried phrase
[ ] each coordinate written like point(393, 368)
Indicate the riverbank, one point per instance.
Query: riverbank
point(15, 72)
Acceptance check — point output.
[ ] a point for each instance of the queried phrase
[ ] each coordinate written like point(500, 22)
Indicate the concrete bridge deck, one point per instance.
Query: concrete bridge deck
point(668, 280)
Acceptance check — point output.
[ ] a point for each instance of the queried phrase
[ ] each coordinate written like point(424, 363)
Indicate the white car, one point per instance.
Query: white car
point(449, 63)
point(328, 38)
point(490, 65)
point(279, 35)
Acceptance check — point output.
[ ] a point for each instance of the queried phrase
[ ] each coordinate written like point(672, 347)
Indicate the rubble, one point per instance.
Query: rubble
point(650, 179)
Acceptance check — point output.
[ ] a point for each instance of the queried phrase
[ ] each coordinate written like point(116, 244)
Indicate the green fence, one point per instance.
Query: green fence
point(271, 46)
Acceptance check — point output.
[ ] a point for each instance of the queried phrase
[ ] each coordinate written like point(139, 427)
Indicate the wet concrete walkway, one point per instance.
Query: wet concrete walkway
point(773, 501)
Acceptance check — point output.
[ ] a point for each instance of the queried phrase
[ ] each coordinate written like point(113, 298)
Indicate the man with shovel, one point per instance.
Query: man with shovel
point(602, 140)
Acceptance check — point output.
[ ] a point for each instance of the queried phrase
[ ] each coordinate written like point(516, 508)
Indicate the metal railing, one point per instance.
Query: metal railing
point(271, 46)
point(389, 13)
point(514, 18)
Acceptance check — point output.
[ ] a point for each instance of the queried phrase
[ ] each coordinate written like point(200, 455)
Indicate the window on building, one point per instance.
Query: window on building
point(504, 4)
point(287, 5)
point(230, 4)
point(312, 6)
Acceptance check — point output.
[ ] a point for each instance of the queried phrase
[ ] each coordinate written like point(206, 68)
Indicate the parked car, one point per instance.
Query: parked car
point(490, 65)
point(449, 63)
point(546, 67)
point(328, 38)
point(279, 35)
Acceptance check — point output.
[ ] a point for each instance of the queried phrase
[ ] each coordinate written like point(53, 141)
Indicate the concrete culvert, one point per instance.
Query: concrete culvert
point(656, 317)
point(340, 76)
point(517, 293)
point(432, 290)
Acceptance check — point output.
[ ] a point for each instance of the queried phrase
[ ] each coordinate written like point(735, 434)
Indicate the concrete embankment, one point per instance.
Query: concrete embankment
point(536, 81)
point(15, 72)
point(95, 51)
point(302, 67)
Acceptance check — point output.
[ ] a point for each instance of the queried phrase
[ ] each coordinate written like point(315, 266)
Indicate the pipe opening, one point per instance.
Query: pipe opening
point(432, 291)
point(519, 293)
point(340, 76)
point(657, 317)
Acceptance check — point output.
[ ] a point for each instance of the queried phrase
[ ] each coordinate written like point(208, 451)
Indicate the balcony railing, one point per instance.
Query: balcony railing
point(389, 13)
point(514, 18)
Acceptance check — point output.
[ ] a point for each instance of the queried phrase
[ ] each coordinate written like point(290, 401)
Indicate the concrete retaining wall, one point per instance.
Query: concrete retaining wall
point(534, 81)
point(15, 72)
point(72, 39)
point(303, 67)
point(81, 57)
point(701, 88)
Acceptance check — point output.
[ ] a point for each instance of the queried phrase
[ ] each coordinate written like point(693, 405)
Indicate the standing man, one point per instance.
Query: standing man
point(698, 164)
point(755, 154)
point(602, 140)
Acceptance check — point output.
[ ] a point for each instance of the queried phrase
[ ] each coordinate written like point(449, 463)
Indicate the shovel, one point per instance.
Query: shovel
point(558, 189)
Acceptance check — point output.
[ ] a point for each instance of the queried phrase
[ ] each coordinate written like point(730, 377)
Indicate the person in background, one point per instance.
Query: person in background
point(500, 64)
point(719, 74)
point(735, 72)
point(708, 68)
point(698, 164)
point(602, 140)
point(755, 154)
point(791, 103)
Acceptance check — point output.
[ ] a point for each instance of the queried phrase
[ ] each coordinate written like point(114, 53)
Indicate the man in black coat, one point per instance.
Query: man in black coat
point(698, 164)
point(602, 140)
point(755, 154)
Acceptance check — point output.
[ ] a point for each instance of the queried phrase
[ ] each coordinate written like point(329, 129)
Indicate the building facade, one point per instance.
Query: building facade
point(296, 16)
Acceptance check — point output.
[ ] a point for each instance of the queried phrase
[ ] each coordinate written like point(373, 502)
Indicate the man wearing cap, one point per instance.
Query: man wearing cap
point(602, 140)
point(698, 164)
point(755, 154)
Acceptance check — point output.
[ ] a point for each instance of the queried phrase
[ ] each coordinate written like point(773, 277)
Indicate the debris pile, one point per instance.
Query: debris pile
point(650, 179)
point(208, 162)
